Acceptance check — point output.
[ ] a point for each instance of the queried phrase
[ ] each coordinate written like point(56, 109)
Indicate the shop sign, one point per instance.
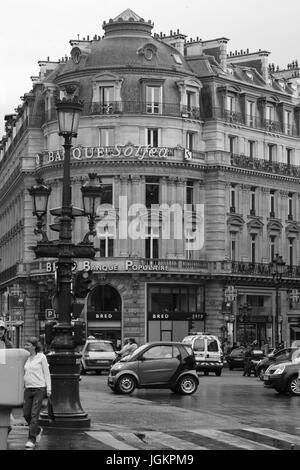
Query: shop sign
point(117, 151)
point(104, 316)
point(127, 265)
point(180, 316)
point(110, 266)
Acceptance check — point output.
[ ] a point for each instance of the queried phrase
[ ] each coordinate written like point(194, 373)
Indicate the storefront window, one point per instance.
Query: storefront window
point(173, 310)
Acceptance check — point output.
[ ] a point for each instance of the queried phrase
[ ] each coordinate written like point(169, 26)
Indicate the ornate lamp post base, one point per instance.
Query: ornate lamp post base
point(68, 413)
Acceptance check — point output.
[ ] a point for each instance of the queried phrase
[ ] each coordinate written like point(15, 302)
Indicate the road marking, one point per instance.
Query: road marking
point(231, 439)
point(108, 439)
point(282, 436)
point(170, 441)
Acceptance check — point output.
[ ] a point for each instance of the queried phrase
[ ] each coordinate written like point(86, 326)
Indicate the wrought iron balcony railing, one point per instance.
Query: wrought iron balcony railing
point(257, 122)
point(245, 161)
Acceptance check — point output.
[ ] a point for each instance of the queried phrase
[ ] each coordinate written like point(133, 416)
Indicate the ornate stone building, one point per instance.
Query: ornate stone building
point(210, 139)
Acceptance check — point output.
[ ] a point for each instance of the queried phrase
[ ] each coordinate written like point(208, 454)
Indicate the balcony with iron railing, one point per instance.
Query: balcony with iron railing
point(143, 107)
point(256, 122)
point(260, 164)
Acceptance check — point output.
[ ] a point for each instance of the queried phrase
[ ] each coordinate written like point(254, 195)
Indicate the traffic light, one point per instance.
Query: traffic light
point(49, 331)
point(82, 282)
point(79, 333)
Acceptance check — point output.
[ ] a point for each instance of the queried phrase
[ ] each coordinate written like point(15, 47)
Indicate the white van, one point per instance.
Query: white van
point(208, 352)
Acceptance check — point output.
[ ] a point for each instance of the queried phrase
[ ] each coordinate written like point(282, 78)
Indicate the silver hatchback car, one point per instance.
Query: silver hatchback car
point(97, 355)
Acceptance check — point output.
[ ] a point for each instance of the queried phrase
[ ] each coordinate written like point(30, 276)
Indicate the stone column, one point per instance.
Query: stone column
point(138, 197)
point(123, 216)
point(171, 199)
point(180, 199)
point(117, 193)
point(164, 200)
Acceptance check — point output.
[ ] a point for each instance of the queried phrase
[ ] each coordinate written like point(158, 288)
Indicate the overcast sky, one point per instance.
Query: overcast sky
point(32, 30)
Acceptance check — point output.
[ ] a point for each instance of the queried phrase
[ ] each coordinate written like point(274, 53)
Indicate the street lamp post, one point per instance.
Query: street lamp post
point(64, 362)
point(277, 268)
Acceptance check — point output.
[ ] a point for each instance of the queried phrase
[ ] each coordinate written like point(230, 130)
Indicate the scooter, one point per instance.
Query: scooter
point(256, 356)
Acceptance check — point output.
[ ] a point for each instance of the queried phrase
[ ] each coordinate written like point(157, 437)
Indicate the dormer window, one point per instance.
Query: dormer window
point(177, 58)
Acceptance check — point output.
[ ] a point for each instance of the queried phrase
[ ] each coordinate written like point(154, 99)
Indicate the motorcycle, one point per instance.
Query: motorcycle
point(256, 356)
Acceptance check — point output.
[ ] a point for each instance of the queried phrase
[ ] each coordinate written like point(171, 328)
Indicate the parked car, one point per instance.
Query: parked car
point(283, 377)
point(208, 352)
point(156, 365)
point(97, 355)
point(284, 355)
point(236, 358)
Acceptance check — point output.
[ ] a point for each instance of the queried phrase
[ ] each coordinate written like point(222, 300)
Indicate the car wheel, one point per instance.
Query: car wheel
point(187, 385)
point(218, 372)
point(206, 372)
point(98, 372)
point(126, 384)
point(292, 386)
point(231, 367)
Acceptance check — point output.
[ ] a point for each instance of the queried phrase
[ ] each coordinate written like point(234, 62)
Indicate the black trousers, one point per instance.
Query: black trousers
point(33, 400)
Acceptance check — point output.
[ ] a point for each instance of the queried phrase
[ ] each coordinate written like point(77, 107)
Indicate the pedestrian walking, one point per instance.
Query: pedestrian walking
point(248, 357)
point(5, 342)
point(37, 382)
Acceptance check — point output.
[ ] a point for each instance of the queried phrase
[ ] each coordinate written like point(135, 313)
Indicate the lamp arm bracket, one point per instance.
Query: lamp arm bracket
point(43, 233)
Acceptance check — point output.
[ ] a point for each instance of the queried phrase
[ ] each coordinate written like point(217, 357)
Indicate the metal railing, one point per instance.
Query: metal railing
point(260, 164)
point(256, 122)
point(143, 107)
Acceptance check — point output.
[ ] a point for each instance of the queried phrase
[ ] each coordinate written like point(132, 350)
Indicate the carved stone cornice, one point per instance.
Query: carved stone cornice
point(246, 187)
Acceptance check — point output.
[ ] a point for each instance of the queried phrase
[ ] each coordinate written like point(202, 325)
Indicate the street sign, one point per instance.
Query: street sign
point(50, 314)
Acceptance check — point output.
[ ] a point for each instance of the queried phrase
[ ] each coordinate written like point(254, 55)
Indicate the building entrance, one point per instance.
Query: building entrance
point(104, 314)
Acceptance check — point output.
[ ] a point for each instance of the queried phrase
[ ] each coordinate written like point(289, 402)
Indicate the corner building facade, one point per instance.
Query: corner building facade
point(198, 150)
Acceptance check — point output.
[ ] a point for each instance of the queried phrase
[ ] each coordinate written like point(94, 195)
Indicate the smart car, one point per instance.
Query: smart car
point(97, 355)
point(156, 365)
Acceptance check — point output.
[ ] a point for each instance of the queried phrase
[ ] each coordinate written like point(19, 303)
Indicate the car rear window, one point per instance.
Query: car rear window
point(212, 345)
point(199, 344)
point(100, 347)
point(237, 352)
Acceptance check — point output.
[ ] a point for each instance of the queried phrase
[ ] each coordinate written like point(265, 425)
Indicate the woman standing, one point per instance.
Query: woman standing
point(37, 382)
